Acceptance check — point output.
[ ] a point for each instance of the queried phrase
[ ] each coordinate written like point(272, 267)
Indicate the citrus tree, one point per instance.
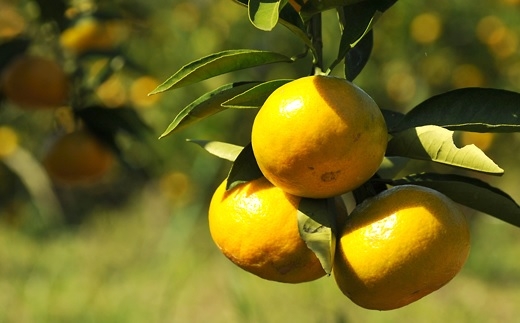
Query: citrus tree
point(319, 140)
point(66, 74)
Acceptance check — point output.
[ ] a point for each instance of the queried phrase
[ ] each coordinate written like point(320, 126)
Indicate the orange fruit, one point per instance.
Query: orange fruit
point(78, 158)
point(8, 141)
point(255, 226)
point(91, 34)
point(400, 246)
point(483, 140)
point(319, 137)
point(35, 82)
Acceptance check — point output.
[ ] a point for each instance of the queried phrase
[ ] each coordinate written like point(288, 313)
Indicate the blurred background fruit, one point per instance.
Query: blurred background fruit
point(78, 158)
point(35, 82)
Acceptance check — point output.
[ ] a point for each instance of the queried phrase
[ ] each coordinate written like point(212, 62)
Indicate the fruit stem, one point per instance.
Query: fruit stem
point(315, 30)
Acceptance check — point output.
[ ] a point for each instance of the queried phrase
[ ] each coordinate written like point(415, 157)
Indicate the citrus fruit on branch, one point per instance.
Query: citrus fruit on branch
point(255, 226)
point(319, 137)
point(78, 158)
point(400, 246)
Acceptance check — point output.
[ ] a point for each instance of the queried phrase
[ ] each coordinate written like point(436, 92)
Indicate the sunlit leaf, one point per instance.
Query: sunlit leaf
point(436, 144)
point(467, 109)
point(263, 14)
point(254, 97)
point(317, 227)
point(471, 192)
point(206, 105)
point(244, 168)
point(220, 149)
point(219, 63)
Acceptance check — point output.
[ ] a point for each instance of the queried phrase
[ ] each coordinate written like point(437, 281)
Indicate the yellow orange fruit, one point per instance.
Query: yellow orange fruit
point(255, 226)
point(8, 141)
point(400, 246)
point(78, 158)
point(483, 140)
point(319, 137)
point(35, 82)
point(92, 34)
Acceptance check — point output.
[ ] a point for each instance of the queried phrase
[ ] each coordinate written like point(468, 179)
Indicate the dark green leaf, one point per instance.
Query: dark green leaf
point(392, 118)
point(313, 7)
point(105, 123)
point(244, 168)
point(471, 192)
point(358, 56)
point(114, 120)
point(391, 166)
point(467, 109)
point(206, 105)
point(317, 227)
point(356, 23)
point(217, 64)
point(436, 144)
point(290, 19)
point(12, 49)
point(256, 96)
point(220, 149)
point(263, 14)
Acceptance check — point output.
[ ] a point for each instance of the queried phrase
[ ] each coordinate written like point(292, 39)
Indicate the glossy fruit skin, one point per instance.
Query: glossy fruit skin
point(34, 82)
point(400, 246)
point(319, 137)
point(255, 226)
point(78, 158)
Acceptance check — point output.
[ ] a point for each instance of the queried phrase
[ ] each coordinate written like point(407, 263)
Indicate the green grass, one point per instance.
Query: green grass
point(151, 263)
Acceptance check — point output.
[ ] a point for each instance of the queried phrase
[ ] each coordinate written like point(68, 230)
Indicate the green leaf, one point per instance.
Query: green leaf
point(218, 64)
point(12, 49)
point(244, 168)
point(356, 23)
point(256, 96)
point(392, 118)
point(391, 166)
point(206, 105)
point(313, 7)
point(436, 144)
point(220, 149)
point(357, 57)
point(291, 20)
point(263, 14)
point(317, 227)
point(471, 192)
point(467, 109)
